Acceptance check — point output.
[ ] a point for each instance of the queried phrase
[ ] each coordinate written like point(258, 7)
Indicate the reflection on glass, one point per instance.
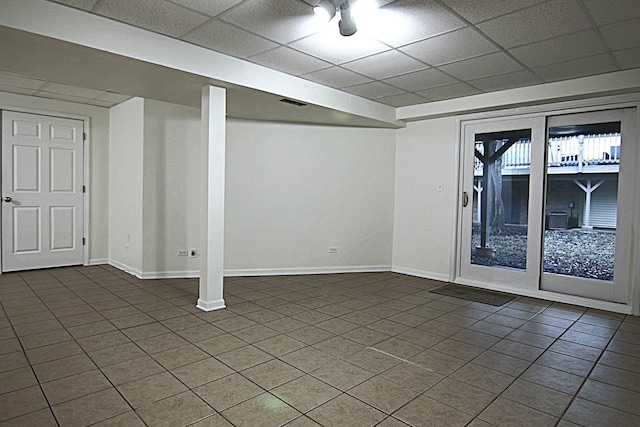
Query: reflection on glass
point(501, 199)
point(581, 199)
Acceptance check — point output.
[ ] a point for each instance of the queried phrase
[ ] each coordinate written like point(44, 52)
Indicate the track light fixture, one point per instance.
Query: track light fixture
point(326, 9)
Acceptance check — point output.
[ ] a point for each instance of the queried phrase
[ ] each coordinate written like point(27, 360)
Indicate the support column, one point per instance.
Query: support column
point(212, 118)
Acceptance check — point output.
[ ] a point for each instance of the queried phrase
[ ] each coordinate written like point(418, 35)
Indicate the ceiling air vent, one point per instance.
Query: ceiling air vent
point(292, 102)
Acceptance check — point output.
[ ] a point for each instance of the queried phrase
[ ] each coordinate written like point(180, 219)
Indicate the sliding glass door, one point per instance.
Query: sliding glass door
point(547, 203)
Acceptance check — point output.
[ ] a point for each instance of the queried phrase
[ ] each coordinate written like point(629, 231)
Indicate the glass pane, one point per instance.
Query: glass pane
point(501, 199)
point(582, 200)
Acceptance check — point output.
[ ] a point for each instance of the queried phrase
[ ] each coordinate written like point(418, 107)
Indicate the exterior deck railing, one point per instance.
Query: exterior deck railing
point(579, 151)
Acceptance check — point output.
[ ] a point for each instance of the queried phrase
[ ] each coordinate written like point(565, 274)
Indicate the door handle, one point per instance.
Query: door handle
point(7, 199)
point(465, 199)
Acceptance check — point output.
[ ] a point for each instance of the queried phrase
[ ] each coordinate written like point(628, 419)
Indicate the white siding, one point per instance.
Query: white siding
point(604, 209)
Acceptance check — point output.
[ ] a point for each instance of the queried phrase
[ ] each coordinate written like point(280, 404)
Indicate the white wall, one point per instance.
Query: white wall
point(125, 184)
point(425, 217)
point(98, 187)
point(171, 188)
point(292, 191)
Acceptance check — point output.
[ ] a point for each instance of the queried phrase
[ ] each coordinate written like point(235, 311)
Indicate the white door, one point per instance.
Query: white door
point(42, 191)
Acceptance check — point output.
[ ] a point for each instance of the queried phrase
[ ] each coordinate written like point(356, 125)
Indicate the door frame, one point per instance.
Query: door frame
point(553, 109)
point(86, 175)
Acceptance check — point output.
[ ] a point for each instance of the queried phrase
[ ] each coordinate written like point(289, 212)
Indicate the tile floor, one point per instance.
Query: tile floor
point(96, 346)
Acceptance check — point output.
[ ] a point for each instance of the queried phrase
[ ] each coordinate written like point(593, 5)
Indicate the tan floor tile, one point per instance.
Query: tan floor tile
point(413, 376)
point(228, 391)
point(438, 362)
point(502, 362)
point(373, 360)
point(220, 344)
point(553, 378)
point(504, 412)
point(308, 359)
point(53, 352)
point(44, 338)
point(75, 386)
point(200, 333)
point(183, 322)
point(342, 375)
point(279, 345)
point(464, 397)
point(612, 396)
point(131, 370)
point(244, 357)
point(90, 329)
point(213, 421)
point(128, 419)
point(272, 374)
point(235, 323)
point(132, 321)
point(105, 404)
point(424, 411)
point(16, 379)
point(41, 418)
point(112, 355)
point(151, 389)
point(161, 343)
point(285, 325)
point(535, 396)
point(365, 336)
point(566, 363)
point(12, 361)
point(202, 372)
point(181, 409)
point(180, 356)
point(64, 367)
point(37, 327)
point(530, 338)
point(255, 333)
point(346, 411)
point(383, 394)
point(591, 414)
point(339, 347)
point(484, 378)
point(264, 409)
point(305, 393)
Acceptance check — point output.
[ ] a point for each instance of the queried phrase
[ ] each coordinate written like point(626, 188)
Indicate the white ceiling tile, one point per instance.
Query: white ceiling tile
point(622, 35)
point(407, 21)
point(449, 47)
point(20, 81)
point(421, 80)
point(330, 46)
point(598, 64)
point(78, 4)
point(98, 103)
point(385, 64)
point(208, 7)
point(222, 37)
point(446, 92)
point(336, 77)
point(373, 90)
point(61, 97)
point(402, 100)
point(483, 66)
point(481, 10)
point(506, 81)
point(70, 90)
point(289, 61)
point(537, 23)
point(280, 20)
point(155, 15)
point(609, 11)
point(574, 46)
point(14, 89)
point(629, 58)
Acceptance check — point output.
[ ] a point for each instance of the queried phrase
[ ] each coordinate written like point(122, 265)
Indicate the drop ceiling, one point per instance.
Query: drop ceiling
point(418, 51)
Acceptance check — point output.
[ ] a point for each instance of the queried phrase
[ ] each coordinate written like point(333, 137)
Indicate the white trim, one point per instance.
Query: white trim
point(125, 268)
point(549, 296)
point(188, 274)
point(420, 273)
point(211, 305)
point(307, 270)
point(98, 261)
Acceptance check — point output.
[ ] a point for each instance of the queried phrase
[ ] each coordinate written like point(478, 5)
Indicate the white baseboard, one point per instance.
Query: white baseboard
point(98, 261)
point(155, 274)
point(420, 273)
point(210, 305)
point(306, 270)
point(125, 268)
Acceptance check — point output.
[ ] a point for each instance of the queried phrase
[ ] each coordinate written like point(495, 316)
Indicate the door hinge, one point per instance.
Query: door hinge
point(84, 188)
point(84, 136)
point(84, 241)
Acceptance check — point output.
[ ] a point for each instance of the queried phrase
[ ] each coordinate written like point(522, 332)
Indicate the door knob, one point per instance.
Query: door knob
point(7, 199)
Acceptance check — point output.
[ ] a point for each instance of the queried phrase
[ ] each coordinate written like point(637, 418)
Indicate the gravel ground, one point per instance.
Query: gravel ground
point(575, 252)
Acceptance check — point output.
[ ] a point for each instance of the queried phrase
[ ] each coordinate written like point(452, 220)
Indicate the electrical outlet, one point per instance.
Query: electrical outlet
point(193, 252)
point(183, 252)
point(333, 250)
